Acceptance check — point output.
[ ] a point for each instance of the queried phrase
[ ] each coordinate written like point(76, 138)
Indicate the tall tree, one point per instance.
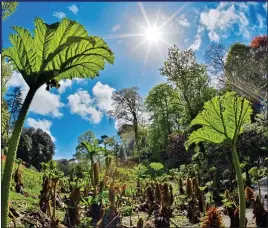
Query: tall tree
point(8, 8)
point(62, 50)
point(190, 80)
point(88, 137)
point(127, 107)
point(5, 116)
point(35, 147)
point(14, 102)
point(5, 76)
point(241, 67)
point(162, 105)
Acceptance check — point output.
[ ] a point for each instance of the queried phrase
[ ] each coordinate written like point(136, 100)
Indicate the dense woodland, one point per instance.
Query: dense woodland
point(186, 155)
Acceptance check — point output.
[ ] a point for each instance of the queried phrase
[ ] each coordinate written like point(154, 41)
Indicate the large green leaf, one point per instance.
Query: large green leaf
point(83, 57)
point(91, 148)
point(222, 120)
point(57, 51)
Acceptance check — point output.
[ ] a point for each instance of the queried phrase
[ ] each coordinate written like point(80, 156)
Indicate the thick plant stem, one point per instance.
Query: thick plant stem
point(242, 200)
point(93, 177)
point(259, 188)
point(54, 197)
point(11, 154)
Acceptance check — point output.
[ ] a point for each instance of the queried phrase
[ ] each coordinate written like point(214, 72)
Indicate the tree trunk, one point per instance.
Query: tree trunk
point(136, 135)
point(242, 200)
point(167, 115)
point(11, 154)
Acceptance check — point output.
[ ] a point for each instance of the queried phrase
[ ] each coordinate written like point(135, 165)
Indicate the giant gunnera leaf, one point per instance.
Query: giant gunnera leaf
point(61, 50)
point(222, 120)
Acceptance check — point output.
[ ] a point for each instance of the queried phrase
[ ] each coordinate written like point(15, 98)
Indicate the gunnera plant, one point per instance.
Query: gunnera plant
point(213, 219)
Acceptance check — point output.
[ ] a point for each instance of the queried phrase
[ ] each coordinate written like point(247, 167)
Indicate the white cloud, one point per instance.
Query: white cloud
point(42, 124)
point(265, 6)
point(242, 6)
point(59, 15)
point(198, 39)
point(116, 28)
point(197, 43)
point(220, 21)
point(119, 41)
point(44, 102)
point(81, 103)
point(217, 18)
point(213, 36)
point(103, 96)
point(64, 84)
point(260, 20)
point(73, 8)
point(17, 80)
point(182, 20)
point(92, 108)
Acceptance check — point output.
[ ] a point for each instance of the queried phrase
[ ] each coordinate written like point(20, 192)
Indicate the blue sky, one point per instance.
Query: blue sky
point(81, 105)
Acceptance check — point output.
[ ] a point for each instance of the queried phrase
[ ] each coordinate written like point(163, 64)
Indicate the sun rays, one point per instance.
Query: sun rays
point(152, 34)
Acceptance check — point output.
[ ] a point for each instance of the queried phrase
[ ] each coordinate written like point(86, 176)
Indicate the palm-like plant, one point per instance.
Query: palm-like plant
point(92, 149)
point(61, 50)
point(222, 121)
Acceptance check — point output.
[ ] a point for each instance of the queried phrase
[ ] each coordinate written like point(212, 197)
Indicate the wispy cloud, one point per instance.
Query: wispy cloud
point(116, 28)
point(198, 39)
point(220, 21)
point(260, 20)
point(73, 8)
point(265, 6)
point(183, 21)
point(59, 15)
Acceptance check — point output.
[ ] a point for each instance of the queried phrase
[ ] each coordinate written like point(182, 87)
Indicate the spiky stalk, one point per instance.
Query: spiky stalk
point(11, 154)
point(158, 195)
point(112, 196)
point(189, 188)
point(226, 194)
point(213, 219)
point(54, 196)
point(249, 193)
point(96, 173)
point(166, 195)
point(140, 223)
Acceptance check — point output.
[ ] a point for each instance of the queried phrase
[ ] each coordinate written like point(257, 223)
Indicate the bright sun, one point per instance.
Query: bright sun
point(153, 34)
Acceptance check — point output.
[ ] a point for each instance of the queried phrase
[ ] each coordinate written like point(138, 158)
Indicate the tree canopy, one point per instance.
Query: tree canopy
point(8, 8)
point(35, 147)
